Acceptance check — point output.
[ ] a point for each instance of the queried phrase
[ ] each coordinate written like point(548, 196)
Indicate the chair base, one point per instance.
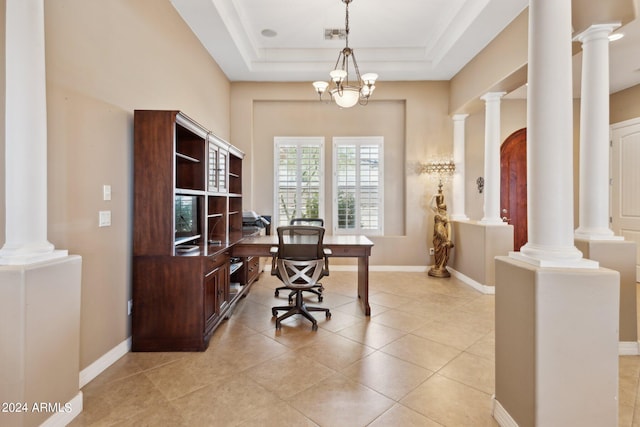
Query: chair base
point(299, 308)
point(317, 289)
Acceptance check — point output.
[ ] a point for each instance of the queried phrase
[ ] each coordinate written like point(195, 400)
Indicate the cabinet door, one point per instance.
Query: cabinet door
point(212, 173)
point(223, 273)
point(211, 297)
point(223, 169)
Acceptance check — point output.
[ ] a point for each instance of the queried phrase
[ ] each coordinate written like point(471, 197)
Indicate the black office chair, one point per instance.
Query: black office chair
point(317, 289)
point(299, 263)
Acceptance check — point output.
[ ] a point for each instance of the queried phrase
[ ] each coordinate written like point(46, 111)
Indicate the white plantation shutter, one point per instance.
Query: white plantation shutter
point(358, 185)
point(299, 166)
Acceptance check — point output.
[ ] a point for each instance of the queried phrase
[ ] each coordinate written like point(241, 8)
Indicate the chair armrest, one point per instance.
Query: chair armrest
point(327, 253)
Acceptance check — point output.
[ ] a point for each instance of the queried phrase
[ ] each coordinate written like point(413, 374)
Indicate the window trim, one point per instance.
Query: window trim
point(358, 141)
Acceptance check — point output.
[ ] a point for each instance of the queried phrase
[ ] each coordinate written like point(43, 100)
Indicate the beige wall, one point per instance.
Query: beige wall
point(412, 117)
point(625, 105)
point(105, 59)
point(501, 66)
point(2, 119)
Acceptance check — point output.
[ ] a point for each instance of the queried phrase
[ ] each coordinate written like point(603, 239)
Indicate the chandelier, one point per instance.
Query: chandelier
point(347, 93)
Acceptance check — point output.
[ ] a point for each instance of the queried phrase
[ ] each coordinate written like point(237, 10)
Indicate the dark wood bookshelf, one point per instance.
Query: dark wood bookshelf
point(187, 214)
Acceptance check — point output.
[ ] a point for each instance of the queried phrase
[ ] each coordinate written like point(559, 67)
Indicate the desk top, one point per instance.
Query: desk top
point(341, 245)
point(329, 240)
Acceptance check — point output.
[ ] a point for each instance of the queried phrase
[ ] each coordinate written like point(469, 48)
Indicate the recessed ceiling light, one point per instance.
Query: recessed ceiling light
point(615, 36)
point(268, 33)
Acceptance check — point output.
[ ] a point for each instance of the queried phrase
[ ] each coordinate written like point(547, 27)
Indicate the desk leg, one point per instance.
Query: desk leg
point(363, 284)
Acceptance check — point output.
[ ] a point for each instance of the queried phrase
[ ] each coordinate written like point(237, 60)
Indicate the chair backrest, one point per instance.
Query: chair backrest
point(300, 242)
point(319, 222)
point(300, 274)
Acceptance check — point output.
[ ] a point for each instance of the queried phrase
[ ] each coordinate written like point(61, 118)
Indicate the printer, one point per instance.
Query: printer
point(254, 224)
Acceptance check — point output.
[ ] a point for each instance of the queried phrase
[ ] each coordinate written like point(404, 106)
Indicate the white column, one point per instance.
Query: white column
point(26, 136)
point(550, 139)
point(492, 159)
point(457, 201)
point(594, 134)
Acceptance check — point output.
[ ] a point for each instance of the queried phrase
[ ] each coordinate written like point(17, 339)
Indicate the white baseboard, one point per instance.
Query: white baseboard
point(108, 359)
point(63, 417)
point(485, 289)
point(354, 267)
point(501, 415)
point(628, 348)
point(400, 268)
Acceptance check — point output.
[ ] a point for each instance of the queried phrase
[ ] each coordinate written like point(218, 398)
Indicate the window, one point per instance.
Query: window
point(299, 166)
point(358, 185)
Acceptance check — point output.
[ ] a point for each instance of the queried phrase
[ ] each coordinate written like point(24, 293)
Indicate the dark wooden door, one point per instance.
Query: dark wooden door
point(513, 185)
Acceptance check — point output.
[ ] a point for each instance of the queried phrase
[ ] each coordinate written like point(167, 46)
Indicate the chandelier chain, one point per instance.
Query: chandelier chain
point(346, 23)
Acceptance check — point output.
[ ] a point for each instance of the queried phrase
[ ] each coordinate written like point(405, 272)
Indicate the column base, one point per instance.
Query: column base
point(556, 345)
point(596, 234)
point(477, 245)
point(40, 338)
point(492, 221)
point(10, 257)
point(458, 217)
point(566, 257)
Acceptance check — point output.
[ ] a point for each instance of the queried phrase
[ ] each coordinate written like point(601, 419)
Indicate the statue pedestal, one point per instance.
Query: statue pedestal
point(439, 272)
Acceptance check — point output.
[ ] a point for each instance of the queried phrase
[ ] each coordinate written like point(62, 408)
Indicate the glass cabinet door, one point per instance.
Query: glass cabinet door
point(223, 160)
point(212, 175)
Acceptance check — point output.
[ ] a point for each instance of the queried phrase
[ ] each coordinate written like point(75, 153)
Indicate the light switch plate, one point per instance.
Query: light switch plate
point(106, 192)
point(104, 218)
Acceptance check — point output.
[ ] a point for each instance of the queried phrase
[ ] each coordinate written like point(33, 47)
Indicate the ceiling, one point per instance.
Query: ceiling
point(400, 40)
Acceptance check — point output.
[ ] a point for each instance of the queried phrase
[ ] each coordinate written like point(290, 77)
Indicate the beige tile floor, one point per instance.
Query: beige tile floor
point(424, 358)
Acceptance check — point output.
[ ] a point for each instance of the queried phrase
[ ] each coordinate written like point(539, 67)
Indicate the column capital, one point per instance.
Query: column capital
point(459, 117)
point(492, 96)
point(596, 31)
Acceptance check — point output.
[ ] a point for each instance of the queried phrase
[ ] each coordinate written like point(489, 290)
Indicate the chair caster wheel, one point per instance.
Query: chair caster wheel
point(328, 315)
point(314, 327)
point(274, 313)
point(320, 299)
point(277, 293)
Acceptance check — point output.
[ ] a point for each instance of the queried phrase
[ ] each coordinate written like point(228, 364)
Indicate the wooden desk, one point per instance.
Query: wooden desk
point(341, 247)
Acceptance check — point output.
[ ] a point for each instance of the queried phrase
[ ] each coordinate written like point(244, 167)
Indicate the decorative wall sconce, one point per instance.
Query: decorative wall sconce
point(480, 184)
point(442, 169)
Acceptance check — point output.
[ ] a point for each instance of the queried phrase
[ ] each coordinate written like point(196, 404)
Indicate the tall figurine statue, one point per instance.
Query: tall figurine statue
point(441, 236)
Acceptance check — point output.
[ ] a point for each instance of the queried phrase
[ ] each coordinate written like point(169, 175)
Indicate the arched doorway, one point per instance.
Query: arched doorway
point(513, 185)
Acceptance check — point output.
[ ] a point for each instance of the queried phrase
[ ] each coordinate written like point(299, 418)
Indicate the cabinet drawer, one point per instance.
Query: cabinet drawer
point(345, 251)
point(215, 261)
point(253, 268)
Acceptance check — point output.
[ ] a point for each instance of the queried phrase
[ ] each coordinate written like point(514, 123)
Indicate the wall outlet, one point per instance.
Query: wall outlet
point(129, 307)
point(431, 251)
point(104, 218)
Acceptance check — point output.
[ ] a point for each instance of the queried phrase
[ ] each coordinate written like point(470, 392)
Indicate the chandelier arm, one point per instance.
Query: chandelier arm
point(355, 65)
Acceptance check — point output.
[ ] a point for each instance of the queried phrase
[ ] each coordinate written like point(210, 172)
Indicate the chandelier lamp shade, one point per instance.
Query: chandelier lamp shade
point(345, 91)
